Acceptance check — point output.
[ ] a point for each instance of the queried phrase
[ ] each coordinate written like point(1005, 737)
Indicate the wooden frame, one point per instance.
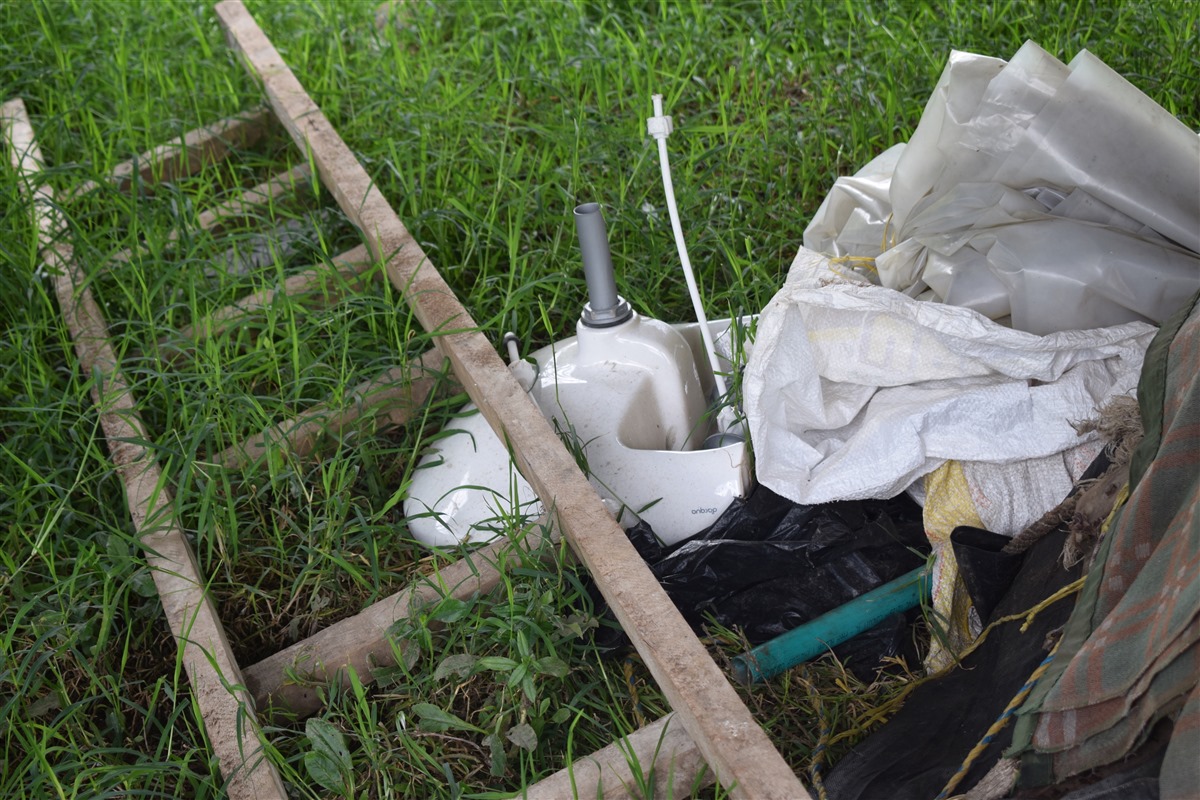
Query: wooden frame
point(709, 724)
point(239, 207)
point(226, 706)
point(663, 752)
point(391, 397)
point(228, 713)
point(361, 642)
point(721, 726)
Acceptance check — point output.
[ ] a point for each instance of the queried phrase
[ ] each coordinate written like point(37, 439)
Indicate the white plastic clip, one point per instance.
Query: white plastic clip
point(659, 126)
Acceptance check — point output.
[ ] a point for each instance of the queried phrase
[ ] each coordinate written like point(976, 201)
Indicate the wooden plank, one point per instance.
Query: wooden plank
point(361, 642)
point(244, 204)
point(195, 149)
point(667, 760)
point(317, 281)
point(225, 706)
point(238, 208)
point(733, 744)
point(391, 397)
point(393, 11)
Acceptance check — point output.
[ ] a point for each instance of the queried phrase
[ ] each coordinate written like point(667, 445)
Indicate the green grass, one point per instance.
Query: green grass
point(484, 124)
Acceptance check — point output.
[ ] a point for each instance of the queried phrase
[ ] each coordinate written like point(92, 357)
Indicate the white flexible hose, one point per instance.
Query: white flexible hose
point(660, 127)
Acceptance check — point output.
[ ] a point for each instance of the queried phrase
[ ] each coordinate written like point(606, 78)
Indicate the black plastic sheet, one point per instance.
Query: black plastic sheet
point(768, 565)
point(986, 570)
point(915, 753)
point(918, 750)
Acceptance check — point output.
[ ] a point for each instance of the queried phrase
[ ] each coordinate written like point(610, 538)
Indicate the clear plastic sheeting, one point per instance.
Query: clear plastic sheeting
point(1057, 195)
point(855, 391)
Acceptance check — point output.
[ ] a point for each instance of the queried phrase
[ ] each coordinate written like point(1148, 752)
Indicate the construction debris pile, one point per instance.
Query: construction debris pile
point(960, 310)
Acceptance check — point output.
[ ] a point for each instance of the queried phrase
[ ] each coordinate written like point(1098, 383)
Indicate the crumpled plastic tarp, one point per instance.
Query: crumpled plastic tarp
point(855, 391)
point(768, 565)
point(918, 749)
point(1055, 198)
point(1059, 195)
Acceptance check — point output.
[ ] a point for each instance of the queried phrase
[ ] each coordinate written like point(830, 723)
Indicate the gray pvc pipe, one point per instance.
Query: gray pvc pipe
point(603, 301)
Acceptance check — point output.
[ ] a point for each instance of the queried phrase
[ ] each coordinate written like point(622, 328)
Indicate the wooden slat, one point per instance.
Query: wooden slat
point(361, 642)
point(195, 148)
point(664, 753)
point(225, 706)
point(349, 267)
point(391, 11)
point(733, 744)
point(238, 208)
point(391, 398)
point(669, 763)
point(245, 203)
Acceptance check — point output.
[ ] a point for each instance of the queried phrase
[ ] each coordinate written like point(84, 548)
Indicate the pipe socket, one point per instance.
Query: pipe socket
point(605, 307)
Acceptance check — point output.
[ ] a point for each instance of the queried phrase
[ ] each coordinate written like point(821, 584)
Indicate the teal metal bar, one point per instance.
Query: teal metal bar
point(832, 628)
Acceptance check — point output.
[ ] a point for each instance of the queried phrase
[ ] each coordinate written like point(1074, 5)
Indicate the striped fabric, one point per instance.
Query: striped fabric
point(1130, 654)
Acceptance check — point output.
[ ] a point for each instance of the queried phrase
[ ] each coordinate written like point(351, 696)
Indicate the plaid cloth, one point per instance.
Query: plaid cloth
point(1130, 654)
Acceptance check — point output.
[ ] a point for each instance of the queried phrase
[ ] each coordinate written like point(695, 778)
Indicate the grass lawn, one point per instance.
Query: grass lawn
point(483, 123)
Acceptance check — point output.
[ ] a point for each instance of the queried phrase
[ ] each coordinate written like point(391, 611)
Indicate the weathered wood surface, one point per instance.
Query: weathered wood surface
point(667, 758)
point(216, 680)
point(243, 204)
point(237, 208)
point(733, 744)
point(361, 642)
point(185, 157)
point(668, 763)
point(320, 285)
point(391, 398)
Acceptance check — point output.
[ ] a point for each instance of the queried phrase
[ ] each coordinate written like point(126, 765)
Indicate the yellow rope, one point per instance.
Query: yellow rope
point(865, 262)
point(816, 765)
point(883, 711)
point(1011, 709)
point(633, 693)
point(999, 725)
point(1122, 496)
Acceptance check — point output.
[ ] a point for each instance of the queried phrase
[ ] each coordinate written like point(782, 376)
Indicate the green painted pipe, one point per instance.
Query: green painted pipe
point(832, 628)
